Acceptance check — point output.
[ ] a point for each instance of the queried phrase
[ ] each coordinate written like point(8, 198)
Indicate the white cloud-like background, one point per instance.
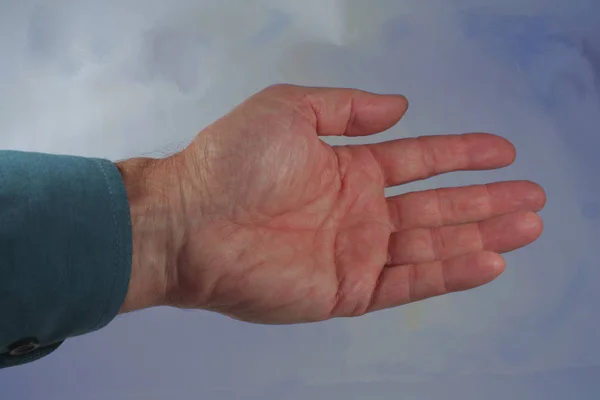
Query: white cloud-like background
point(117, 79)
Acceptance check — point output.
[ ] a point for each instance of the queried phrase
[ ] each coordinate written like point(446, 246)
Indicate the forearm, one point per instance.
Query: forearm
point(153, 193)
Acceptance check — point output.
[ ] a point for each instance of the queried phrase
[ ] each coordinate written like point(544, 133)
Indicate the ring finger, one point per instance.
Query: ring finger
point(500, 234)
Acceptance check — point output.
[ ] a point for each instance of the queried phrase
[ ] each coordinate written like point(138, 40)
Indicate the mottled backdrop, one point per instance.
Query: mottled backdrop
point(123, 78)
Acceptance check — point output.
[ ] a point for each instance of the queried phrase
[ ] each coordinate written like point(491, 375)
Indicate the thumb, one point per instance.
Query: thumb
point(347, 112)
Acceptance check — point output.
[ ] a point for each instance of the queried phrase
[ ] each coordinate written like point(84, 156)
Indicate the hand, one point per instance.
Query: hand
point(268, 224)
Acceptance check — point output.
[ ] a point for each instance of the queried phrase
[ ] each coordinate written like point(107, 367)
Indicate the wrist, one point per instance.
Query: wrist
point(150, 191)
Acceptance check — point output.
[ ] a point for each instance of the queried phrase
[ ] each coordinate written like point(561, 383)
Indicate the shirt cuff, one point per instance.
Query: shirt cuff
point(65, 250)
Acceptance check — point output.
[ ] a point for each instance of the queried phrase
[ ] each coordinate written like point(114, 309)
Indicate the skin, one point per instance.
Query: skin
point(260, 220)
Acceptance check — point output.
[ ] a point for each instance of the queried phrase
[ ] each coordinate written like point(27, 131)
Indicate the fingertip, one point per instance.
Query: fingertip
point(403, 102)
point(403, 105)
point(507, 149)
point(473, 270)
point(513, 151)
point(496, 263)
point(490, 151)
point(542, 197)
point(534, 194)
point(531, 225)
point(374, 113)
point(491, 265)
point(393, 103)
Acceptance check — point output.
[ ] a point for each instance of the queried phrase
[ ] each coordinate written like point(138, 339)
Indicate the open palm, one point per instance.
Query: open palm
point(283, 228)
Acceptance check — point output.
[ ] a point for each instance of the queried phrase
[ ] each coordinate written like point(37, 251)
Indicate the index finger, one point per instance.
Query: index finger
point(412, 159)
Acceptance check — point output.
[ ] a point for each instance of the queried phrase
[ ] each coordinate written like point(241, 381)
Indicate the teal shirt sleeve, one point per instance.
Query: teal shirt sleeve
point(65, 250)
